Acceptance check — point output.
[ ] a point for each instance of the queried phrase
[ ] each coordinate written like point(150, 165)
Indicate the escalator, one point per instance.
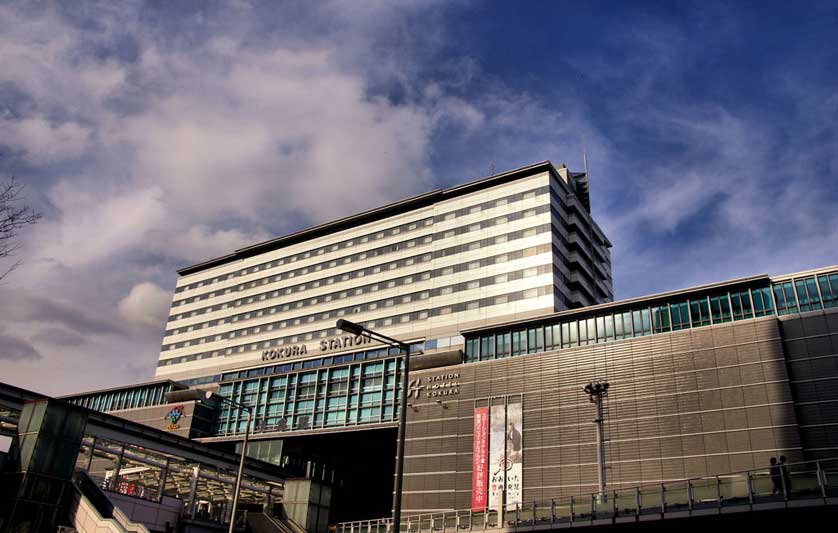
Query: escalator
point(262, 523)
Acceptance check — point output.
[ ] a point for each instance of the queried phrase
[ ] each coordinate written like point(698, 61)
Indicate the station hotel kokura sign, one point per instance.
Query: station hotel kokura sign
point(447, 384)
point(325, 345)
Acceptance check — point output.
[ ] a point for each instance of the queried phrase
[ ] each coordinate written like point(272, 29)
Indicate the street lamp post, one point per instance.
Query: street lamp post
point(596, 391)
point(357, 329)
point(198, 396)
point(236, 491)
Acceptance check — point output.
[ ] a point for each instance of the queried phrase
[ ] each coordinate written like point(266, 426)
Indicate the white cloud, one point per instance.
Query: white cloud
point(44, 141)
point(145, 305)
point(177, 154)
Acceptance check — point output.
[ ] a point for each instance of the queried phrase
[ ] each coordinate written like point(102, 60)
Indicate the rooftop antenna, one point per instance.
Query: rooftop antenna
point(585, 162)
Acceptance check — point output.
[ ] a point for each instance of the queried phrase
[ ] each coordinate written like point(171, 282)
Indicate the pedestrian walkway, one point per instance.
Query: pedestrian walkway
point(807, 484)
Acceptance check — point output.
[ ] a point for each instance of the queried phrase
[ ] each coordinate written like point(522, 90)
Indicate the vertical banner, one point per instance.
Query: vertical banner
point(514, 454)
point(497, 455)
point(480, 459)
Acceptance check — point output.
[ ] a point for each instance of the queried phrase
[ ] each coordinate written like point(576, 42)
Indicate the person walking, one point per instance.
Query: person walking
point(776, 477)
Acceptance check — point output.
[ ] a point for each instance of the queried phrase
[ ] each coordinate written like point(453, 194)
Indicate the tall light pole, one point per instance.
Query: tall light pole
point(357, 329)
point(198, 396)
point(249, 412)
point(596, 391)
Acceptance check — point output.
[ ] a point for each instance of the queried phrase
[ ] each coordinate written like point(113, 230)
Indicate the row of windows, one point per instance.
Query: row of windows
point(378, 235)
point(647, 320)
point(144, 396)
point(475, 245)
point(356, 393)
point(809, 293)
point(502, 299)
point(384, 250)
point(356, 291)
point(369, 306)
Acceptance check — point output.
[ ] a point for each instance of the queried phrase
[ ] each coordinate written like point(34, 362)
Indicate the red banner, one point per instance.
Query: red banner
point(480, 459)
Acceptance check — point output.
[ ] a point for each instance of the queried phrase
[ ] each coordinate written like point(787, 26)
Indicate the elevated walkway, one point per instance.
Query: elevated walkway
point(806, 485)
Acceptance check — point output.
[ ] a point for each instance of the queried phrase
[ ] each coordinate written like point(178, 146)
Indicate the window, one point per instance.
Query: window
point(680, 316)
point(784, 295)
point(519, 342)
point(741, 305)
point(487, 344)
point(660, 319)
point(700, 312)
point(763, 305)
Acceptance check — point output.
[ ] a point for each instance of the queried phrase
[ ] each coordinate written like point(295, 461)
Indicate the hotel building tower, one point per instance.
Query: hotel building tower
point(507, 247)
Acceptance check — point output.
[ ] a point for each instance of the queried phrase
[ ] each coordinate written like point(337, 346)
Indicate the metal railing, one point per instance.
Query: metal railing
point(804, 483)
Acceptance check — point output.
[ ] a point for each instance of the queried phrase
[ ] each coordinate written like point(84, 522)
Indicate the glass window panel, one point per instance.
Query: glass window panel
point(791, 303)
point(574, 333)
point(812, 289)
point(590, 325)
point(704, 305)
point(747, 309)
point(725, 303)
point(638, 322)
point(557, 336)
point(826, 292)
point(680, 316)
point(618, 326)
point(487, 344)
point(627, 326)
point(646, 321)
point(531, 344)
point(802, 297)
point(759, 303)
point(600, 329)
point(833, 283)
point(565, 335)
point(609, 327)
point(695, 313)
point(716, 309)
point(736, 304)
point(767, 301)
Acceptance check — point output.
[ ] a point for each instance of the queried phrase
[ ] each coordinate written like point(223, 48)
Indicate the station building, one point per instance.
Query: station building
point(502, 288)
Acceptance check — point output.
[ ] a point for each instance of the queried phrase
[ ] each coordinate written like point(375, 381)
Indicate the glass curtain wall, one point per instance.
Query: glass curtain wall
point(807, 293)
point(692, 312)
point(363, 392)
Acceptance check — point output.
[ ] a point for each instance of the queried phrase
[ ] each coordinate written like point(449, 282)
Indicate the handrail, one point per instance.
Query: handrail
point(802, 481)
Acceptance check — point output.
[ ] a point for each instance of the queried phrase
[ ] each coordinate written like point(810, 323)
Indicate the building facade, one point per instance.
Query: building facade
point(502, 288)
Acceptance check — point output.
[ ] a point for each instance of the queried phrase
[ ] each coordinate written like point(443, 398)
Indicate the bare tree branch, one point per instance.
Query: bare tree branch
point(14, 216)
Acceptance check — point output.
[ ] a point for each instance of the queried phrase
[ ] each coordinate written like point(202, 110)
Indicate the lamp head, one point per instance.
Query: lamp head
point(349, 327)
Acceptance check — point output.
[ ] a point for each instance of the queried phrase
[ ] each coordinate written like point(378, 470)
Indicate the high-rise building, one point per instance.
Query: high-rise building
point(510, 246)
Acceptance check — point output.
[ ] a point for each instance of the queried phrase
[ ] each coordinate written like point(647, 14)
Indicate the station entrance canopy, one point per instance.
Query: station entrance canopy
point(53, 440)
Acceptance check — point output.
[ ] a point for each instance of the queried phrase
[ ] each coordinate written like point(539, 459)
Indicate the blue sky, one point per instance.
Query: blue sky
point(155, 135)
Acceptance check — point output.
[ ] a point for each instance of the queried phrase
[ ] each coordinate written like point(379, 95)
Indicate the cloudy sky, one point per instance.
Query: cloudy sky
point(155, 135)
